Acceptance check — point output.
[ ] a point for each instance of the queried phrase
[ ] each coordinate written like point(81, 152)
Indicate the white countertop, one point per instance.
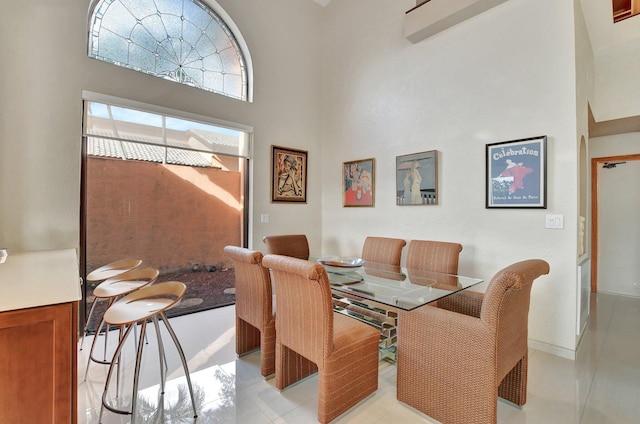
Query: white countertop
point(40, 278)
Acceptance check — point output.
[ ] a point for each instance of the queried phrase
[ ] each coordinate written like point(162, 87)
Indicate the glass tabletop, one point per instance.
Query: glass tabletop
point(398, 287)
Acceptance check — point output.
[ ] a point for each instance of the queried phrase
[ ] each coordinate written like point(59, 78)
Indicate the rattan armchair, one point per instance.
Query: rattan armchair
point(453, 366)
point(294, 245)
point(255, 317)
point(383, 250)
point(344, 350)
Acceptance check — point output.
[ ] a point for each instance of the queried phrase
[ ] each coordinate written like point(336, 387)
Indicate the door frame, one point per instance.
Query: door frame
point(595, 163)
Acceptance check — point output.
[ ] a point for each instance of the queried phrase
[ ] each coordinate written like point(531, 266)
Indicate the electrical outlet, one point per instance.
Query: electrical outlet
point(264, 218)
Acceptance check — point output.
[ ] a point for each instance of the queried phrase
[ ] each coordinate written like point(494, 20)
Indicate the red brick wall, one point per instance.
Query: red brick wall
point(170, 216)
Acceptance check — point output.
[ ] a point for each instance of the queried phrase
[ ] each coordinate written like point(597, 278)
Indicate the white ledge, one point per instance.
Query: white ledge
point(33, 279)
point(437, 15)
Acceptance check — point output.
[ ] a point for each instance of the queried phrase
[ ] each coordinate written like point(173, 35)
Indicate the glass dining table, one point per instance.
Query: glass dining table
point(374, 293)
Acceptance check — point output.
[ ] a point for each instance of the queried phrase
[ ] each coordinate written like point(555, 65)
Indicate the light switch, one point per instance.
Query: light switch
point(264, 218)
point(554, 221)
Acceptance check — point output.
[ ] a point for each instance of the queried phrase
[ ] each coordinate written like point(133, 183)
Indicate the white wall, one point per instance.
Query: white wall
point(584, 95)
point(45, 68)
point(615, 145)
point(499, 76)
point(617, 88)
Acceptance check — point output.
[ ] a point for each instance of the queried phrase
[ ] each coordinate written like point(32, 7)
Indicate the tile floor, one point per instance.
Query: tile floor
point(601, 386)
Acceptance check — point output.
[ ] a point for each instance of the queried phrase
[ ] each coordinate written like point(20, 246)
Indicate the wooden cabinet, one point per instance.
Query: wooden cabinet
point(38, 364)
point(623, 9)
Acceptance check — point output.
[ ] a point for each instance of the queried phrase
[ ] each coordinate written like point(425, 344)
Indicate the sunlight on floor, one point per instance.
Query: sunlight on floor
point(231, 390)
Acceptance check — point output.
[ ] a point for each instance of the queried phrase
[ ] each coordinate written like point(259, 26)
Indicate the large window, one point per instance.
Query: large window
point(180, 40)
point(167, 189)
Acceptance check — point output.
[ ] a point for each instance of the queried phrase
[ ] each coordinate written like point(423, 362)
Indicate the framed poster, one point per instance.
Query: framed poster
point(358, 183)
point(288, 175)
point(417, 179)
point(517, 173)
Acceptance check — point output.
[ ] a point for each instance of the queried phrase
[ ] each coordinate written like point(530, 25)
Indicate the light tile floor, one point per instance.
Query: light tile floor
point(601, 386)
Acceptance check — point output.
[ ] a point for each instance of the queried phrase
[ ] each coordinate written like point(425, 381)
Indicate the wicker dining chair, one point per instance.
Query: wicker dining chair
point(255, 316)
point(453, 366)
point(383, 250)
point(344, 350)
point(436, 256)
point(429, 260)
point(294, 245)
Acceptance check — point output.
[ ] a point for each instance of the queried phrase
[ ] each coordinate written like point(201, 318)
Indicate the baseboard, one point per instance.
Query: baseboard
point(553, 349)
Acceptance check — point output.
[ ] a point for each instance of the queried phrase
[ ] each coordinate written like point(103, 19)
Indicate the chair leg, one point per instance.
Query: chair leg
point(136, 373)
point(268, 350)
point(514, 385)
point(247, 337)
point(93, 344)
point(161, 356)
point(86, 324)
point(291, 366)
point(104, 361)
point(105, 404)
point(182, 358)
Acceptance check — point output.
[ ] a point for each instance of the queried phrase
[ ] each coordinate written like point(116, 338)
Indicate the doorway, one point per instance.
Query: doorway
point(615, 237)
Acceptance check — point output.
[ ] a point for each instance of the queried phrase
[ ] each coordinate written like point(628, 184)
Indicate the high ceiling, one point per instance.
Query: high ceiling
point(604, 35)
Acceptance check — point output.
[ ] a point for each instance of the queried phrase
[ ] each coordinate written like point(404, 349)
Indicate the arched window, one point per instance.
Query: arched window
point(179, 40)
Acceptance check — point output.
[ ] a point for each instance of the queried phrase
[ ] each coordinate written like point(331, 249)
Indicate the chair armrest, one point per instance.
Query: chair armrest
point(463, 302)
point(446, 331)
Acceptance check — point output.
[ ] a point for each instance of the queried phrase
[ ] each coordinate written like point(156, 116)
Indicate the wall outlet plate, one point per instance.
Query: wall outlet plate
point(555, 222)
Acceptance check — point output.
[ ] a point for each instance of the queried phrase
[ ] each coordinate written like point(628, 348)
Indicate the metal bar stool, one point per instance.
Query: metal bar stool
point(104, 273)
point(111, 290)
point(137, 307)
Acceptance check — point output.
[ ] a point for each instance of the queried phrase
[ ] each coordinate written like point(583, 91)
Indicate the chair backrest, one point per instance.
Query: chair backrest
point(505, 308)
point(383, 250)
point(294, 245)
point(305, 310)
point(436, 256)
point(253, 286)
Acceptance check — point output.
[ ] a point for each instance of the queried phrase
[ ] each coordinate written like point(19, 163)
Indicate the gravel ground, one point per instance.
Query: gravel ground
point(205, 290)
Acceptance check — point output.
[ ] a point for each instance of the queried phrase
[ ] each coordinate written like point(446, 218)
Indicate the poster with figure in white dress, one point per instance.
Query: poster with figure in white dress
point(416, 179)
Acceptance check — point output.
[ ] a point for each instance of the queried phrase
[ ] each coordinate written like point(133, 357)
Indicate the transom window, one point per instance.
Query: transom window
point(180, 40)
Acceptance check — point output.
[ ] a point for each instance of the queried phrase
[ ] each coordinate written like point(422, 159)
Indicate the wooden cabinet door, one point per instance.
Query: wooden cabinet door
point(37, 365)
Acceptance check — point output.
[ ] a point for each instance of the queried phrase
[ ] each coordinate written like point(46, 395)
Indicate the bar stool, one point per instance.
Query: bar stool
point(137, 307)
point(104, 273)
point(111, 290)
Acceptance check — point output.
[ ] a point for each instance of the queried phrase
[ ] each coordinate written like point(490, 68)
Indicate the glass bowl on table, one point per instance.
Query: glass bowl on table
point(342, 269)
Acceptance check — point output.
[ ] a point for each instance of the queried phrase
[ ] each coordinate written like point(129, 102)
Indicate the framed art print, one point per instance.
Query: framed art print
point(288, 175)
point(358, 183)
point(516, 175)
point(417, 178)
